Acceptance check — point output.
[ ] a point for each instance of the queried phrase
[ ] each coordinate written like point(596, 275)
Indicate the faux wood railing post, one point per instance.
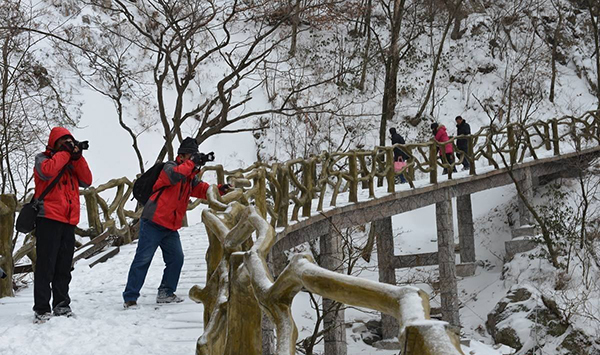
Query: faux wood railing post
point(547, 137)
point(284, 198)
point(220, 175)
point(471, 155)
point(8, 206)
point(91, 205)
point(261, 193)
point(576, 138)
point(489, 150)
point(411, 169)
point(433, 163)
point(466, 234)
point(511, 145)
point(353, 183)
point(331, 258)
point(307, 181)
point(391, 173)
point(446, 260)
point(384, 233)
point(555, 137)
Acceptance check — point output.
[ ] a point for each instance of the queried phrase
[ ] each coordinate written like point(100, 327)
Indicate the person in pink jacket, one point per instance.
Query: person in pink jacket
point(441, 136)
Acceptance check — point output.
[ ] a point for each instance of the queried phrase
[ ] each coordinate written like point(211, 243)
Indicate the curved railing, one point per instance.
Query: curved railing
point(240, 287)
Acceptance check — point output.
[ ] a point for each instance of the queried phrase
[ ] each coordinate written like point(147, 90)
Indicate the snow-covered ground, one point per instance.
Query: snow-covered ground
point(101, 326)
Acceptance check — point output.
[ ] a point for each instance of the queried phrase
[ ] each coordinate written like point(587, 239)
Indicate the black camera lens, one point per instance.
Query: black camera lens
point(83, 145)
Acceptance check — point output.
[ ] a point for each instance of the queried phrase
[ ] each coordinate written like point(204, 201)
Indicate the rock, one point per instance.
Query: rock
point(388, 344)
point(523, 313)
point(577, 343)
point(508, 336)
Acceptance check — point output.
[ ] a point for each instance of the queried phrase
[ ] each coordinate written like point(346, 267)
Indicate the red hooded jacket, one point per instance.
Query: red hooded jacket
point(442, 136)
point(167, 207)
point(62, 202)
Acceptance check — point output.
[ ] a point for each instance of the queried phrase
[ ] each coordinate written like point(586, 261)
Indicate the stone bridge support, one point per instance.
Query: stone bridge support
point(526, 185)
point(384, 233)
point(331, 258)
point(446, 260)
point(466, 233)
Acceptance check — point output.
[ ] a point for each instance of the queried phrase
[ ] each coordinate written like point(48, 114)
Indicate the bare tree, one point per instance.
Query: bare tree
point(32, 95)
point(109, 65)
point(453, 9)
point(184, 39)
point(594, 10)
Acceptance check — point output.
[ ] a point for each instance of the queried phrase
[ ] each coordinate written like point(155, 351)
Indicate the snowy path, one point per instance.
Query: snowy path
point(101, 325)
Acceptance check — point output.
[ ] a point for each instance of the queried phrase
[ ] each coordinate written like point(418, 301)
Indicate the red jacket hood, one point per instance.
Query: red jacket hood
point(55, 134)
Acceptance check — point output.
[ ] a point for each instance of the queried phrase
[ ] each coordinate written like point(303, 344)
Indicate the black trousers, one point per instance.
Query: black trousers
point(450, 159)
point(55, 245)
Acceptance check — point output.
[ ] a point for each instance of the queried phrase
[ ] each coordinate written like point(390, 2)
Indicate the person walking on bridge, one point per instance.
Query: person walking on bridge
point(161, 218)
point(462, 144)
point(399, 155)
point(447, 151)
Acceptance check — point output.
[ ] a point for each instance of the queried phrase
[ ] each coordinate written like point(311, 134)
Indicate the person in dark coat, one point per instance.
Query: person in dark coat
point(462, 129)
point(441, 135)
point(398, 153)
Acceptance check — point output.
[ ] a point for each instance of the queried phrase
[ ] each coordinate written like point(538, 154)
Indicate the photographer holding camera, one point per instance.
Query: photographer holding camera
point(57, 217)
point(162, 217)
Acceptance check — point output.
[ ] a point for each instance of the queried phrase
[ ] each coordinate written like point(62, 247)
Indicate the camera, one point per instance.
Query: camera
point(207, 157)
point(83, 145)
point(200, 158)
point(2, 274)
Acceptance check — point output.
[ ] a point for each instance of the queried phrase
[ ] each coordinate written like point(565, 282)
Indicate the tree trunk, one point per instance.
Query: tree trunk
point(363, 74)
point(596, 46)
point(295, 18)
point(554, 55)
point(390, 95)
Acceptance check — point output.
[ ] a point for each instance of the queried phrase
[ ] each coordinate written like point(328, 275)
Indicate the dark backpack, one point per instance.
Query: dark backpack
point(143, 186)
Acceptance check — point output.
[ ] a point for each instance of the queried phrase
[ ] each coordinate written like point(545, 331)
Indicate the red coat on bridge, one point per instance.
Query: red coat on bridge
point(442, 136)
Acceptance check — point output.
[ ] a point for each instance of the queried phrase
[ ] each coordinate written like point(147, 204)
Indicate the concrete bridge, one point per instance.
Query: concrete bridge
point(519, 154)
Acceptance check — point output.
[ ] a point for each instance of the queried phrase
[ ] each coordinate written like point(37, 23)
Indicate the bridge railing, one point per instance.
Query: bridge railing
point(298, 184)
point(285, 192)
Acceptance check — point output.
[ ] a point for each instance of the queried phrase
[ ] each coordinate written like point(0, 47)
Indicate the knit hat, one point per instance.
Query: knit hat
point(188, 146)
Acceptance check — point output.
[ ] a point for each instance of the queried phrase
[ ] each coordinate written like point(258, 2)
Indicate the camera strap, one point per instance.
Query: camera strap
point(53, 183)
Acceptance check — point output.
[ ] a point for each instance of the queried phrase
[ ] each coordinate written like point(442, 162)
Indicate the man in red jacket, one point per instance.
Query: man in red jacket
point(161, 218)
point(57, 218)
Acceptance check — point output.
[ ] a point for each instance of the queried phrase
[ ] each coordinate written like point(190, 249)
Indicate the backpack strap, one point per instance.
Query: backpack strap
point(53, 183)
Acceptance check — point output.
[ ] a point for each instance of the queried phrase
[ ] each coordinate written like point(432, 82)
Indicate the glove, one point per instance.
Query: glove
point(76, 156)
point(67, 146)
point(197, 159)
point(225, 188)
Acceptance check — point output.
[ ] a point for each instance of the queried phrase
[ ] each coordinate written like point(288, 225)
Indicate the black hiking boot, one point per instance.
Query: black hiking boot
point(63, 312)
point(40, 318)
